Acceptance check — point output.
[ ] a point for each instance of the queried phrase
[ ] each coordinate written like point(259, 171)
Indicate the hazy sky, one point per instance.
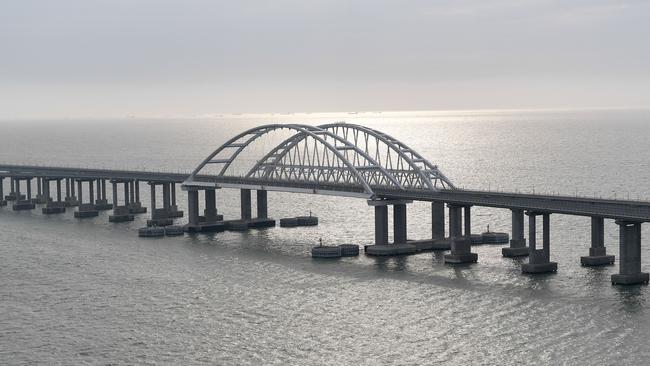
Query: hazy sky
point(77, 58)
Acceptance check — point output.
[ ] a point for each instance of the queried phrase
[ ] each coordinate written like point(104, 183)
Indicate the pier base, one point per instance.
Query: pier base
point(24, 205)
point(71, 201)
point(160, 222)
point(14, 196)
point(3, 203)
point(103, 205)
point(136, 208)
point(390, 249)
point(206, 227)
point(630, 279)
point(538, 263)
point(86, 210)
point(517, 248)
point(461, 252)
point(174, 212)
point(54, 208)
point(597, 257)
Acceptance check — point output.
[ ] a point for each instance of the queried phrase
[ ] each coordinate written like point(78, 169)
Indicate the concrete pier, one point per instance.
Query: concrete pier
point(195, 224)
point(85, 209)
point(135, 206)
point(172, 210)
point(245, 204)
point(159, 216)
point(39, 198)
point(461, 245)
point(539, 259)
point(70, 195)
point(52, 207)
point(262, 204)
point(518, 246)
point(23, 202)
point(629, 255)
point(597, 253)
point(101, 203)
point(120, 213)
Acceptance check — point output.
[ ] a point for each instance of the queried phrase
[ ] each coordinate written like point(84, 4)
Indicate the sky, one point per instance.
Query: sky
point(157, 58)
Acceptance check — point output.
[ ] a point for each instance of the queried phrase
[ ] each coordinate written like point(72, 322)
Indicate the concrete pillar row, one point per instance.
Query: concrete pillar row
point(399, 223)
point(437, 220)
point(137, 191)
point(629, 255)
point(12, 182)
point(2, 189)
point(72, 181)
point(39, 187)
point(262, 204)
point(246, 204)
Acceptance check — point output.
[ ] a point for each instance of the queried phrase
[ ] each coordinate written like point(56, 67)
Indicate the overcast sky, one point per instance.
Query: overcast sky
point(78, 58)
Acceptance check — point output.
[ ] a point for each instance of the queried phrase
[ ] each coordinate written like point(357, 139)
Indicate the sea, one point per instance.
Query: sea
point(91, 292)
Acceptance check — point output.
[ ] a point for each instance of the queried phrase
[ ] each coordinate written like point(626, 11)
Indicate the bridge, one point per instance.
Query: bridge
point(344, 160)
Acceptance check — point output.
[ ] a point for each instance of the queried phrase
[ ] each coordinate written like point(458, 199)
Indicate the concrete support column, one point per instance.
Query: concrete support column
point(437, 220)
point(629, 255)
point(192, 206)
point(455, 221)
point(152, 187)
point(381, 225)
point(45, 189)
point(137, 191)
point(538, 259)
point(262, 204)
point(104, 189)
point(173, 192)
point(518, 242)
point(166, 204)
point(98, 197)
point(210, 205)
point(91, 190)
point(67, 187)
point(245, 204)
point(39, 187)
point(72, 181)
point(126, 193)
point(79, 188)
point(58, 190)
point(12, 182)
point(114, 194)
point(399, 223)
point(467, 216)
point(131, 191)
point(2, 189)
point(29, 189)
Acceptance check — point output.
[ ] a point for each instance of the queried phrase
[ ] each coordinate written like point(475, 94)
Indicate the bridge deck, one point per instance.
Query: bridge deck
point(581, 206)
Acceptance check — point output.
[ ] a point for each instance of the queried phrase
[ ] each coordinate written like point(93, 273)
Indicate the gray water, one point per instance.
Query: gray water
point(74, 292)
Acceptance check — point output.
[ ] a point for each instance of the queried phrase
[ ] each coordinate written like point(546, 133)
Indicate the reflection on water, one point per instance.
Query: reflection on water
point(92, 292)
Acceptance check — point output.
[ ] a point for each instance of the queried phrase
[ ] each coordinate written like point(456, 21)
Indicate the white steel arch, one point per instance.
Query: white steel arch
point(335, 155)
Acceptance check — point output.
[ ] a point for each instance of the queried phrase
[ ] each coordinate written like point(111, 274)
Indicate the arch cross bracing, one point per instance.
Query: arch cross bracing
point(339, 158)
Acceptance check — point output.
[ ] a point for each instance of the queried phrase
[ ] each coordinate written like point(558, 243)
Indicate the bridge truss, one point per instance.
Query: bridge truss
point(337, 158)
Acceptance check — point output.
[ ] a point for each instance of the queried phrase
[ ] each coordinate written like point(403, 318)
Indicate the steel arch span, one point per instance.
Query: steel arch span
point(339, 158)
